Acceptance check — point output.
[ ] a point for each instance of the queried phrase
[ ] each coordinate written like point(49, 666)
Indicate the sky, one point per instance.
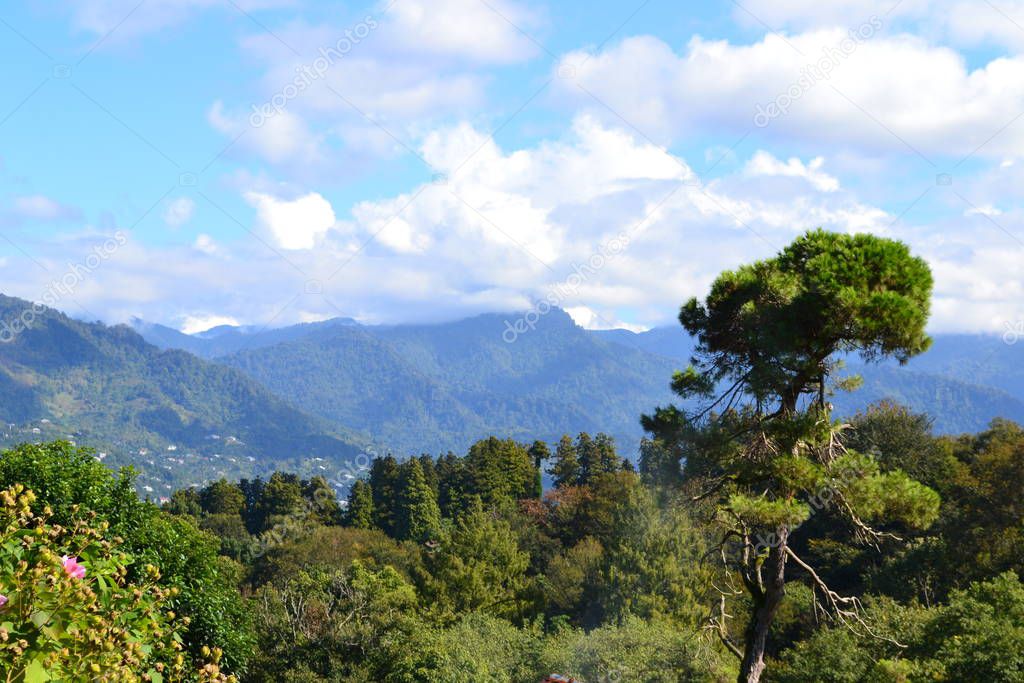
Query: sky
point(268, 162)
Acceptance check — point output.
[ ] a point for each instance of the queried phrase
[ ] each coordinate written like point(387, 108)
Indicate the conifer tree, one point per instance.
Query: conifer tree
point(452, 485)
point(540, 452)
point(605, 459)
point(418, 517)
point(360, 506)
point(764, 443)
point(566, 468)
point(384, 485)
point(500, 470)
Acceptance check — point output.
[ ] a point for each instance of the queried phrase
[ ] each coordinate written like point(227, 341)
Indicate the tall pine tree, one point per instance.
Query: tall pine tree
point(769, 338)
point(418, 517)
point(360, 506)
point(384, 484)
point(566, 468)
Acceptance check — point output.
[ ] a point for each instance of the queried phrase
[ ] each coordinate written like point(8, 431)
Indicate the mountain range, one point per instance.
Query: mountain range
point(441, 386)
point(107, 387)
point(240, 401)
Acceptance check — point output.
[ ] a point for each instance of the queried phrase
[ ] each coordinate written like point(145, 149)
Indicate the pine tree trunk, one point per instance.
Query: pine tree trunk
point(764, 610)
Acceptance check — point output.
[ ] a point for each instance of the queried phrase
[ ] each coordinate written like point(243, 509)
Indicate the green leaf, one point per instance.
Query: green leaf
point(40, 618)
point(35, 672)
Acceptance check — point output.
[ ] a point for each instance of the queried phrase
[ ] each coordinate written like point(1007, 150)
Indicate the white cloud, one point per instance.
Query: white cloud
point(179, 211)
point(206, 244)
point(764, 164)
point(590, 319)
point(284, 138)
point(511, 227)
point(296, 223)
point(888, 93)
point(986, 210)
point(200, 323)
point(959, 22)
point(370, 88)
point(529, 221)
point(478, 31)
point(41, 207)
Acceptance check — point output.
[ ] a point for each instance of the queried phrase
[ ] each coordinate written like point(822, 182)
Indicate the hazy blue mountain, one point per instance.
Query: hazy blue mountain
point(438, 387)
point(963, 381)
point(227, 339)
point(108, 387)
point(671, 341)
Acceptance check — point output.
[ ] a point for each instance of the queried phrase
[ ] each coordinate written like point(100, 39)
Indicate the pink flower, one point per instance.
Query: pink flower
point(72, 567)
point(3, 601)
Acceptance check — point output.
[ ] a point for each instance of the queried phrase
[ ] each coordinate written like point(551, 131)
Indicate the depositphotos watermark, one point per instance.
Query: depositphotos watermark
point(814, 73)
point(65, 286)
point(307, 74)
point(1014, 331)
point(566, 289)
point(295, 523)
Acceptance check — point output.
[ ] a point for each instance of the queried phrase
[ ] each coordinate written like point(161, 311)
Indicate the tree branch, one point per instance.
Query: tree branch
point(847, 609)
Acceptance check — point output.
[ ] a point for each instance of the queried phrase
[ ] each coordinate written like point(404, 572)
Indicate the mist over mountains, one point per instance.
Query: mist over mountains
point(245, 400)
point(441, 386)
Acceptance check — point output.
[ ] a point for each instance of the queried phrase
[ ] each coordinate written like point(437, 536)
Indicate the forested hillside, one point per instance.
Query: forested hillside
point(439, 387)
point(453, 383)
point(166, 411)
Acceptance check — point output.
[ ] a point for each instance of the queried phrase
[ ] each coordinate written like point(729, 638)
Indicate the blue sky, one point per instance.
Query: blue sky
point(274, 161)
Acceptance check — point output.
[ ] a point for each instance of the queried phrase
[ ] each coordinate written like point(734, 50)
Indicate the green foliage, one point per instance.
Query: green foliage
point(332, 624)
point(384, 485)
point(762, 513)
point(222, 498)
point(573, 579)
point(658, 465)
point(770, 337)
point(635, 651)
point(980, 528)
point(500, 471)
point(419, 517)
point(478, 647)
point(597, 457)
point(359, 513)
point(772, 324)
point(566, 469)
point(69, 610)
point(478, 567)
point(654, 564)
point(334, 547)
point(977, 636)
point(66, 479)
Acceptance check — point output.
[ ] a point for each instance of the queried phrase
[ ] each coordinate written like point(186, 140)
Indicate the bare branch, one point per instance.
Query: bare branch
point(717, 624)
point(846, 609)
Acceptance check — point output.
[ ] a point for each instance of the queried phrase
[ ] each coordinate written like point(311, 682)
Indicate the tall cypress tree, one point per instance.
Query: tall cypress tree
point(360, 506)
point(605, 460)
point(384, 485)
point(418, 516)
point(500, 469)
point(566, 468)
point(430, 473)
point(452, 485)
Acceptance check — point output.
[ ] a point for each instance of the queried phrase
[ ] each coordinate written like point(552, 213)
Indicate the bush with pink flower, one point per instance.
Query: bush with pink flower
point(69, 613)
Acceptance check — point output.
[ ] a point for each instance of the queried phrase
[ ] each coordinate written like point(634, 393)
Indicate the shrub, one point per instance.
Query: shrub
point(69, 611)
